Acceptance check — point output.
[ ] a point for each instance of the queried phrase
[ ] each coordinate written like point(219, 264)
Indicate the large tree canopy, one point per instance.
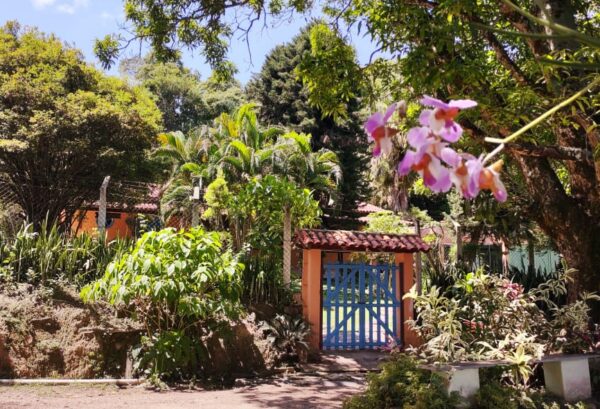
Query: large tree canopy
point(449, 49)
point(185, 101)
point(64, 125)
point(284, 100)
point(485, 50)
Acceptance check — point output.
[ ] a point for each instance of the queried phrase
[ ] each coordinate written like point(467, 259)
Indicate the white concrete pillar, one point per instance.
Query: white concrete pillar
point(464, 381)
point(569, 378)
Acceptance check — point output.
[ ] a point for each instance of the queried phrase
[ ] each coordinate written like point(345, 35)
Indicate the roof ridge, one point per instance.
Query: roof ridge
point(352, 240)
point(359, 231)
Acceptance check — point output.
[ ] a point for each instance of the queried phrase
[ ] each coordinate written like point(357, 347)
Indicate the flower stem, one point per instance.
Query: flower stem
point(545, 115)
point(493, 153)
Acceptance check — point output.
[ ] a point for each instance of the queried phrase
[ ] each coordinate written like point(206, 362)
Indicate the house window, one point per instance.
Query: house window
point(110, 219)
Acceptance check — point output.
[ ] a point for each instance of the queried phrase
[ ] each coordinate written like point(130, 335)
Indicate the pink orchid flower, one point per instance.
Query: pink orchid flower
point(424, 159)
point(489, 179)
point(470, 176)
point(378, 131)
point(486, 178)
point(441, 118)
point(429, 153)
point(459, 171)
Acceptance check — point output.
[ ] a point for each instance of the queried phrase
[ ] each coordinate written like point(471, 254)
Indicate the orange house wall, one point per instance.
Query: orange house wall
point(119, 229)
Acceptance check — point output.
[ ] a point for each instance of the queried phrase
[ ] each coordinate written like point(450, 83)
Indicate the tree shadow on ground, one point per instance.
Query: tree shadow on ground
point(304, 392)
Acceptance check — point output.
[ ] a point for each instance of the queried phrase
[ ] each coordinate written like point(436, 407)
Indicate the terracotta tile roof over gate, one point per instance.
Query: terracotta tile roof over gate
point(359, 241)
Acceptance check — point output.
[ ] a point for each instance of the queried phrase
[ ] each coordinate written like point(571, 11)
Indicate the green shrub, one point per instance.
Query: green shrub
point(493, 395)
point(169, 354)
point(255, 214)
point(401, 384)
point(178, 283)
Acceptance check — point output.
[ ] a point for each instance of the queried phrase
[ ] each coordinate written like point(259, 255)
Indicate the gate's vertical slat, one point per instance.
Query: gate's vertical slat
point(365, 326)
point(379, 270)
point(328, 306)
point(336, 283)
point(352, 308)
point(386, 277)
point(344, 310)
point(361, 311)
point(394, 303)
point(371, 299)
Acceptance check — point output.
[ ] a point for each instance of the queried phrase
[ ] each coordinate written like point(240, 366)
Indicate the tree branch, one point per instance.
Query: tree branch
point(501, 53)
point(552, 152)
point(537, 46)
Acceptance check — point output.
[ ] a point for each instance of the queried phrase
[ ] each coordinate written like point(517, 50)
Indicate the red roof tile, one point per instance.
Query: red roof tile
point(368, 208)
point(359, 241)
point(150, 204)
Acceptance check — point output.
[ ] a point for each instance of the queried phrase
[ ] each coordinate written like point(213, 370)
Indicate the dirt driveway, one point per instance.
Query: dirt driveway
point(294, 392)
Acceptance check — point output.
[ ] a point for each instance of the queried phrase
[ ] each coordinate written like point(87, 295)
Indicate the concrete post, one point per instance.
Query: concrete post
point(102, 208)
point(568, 378)
point(463, 381)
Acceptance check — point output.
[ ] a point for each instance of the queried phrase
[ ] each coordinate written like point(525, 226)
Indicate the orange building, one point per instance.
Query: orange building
point(122, 219)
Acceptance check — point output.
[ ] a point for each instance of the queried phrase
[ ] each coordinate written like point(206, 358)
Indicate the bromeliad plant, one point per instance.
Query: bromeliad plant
point(177, 283)
point(288, 336)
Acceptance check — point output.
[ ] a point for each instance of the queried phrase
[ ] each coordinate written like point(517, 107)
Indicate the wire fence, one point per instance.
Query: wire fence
point(122, 195)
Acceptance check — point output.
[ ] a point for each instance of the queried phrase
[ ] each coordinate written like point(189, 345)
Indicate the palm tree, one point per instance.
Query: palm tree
point(319, 171)
point(249, 151)
point(194, 157)
point(238, 149)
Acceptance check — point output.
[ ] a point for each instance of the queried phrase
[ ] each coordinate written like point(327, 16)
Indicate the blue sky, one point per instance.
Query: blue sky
point(79, 22)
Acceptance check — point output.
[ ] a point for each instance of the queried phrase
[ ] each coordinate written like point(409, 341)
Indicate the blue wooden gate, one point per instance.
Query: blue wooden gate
point(361, 306)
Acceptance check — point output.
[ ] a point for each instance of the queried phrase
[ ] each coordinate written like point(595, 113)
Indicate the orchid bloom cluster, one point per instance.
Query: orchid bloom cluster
point(430, 153)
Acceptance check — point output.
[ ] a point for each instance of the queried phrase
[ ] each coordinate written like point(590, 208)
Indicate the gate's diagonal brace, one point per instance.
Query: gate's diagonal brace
point(339, 285)
point(383, 287)
point(383, 325)
point(339, 325)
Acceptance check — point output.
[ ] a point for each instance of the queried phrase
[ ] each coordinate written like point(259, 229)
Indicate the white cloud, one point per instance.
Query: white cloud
point(40, 4)
point(67, 7)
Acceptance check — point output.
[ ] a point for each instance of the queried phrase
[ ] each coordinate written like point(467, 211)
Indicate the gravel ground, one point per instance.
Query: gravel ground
point(293, 392)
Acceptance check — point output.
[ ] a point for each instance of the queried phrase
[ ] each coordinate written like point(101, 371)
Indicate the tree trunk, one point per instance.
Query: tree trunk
point(287, 246)
point(530, 254)
point(418, 261)
point(459, 243)
point(574, 229)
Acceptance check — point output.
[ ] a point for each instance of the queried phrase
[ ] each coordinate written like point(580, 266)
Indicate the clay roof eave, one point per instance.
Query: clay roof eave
point(358, 241)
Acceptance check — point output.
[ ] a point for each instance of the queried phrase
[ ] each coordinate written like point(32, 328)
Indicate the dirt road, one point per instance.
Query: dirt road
point(295, 392)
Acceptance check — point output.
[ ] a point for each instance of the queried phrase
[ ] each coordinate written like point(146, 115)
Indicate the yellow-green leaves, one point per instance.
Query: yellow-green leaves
point(172, 276)
point(330, 71)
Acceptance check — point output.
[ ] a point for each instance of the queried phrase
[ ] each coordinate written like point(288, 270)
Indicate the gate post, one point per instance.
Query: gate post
point(311, 295)
point(405, 282)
